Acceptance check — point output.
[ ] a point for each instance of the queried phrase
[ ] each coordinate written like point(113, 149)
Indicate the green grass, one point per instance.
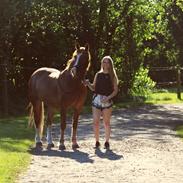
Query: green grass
point(180, 131)
point(159, 96)
point(15, 140)
point(163, 97)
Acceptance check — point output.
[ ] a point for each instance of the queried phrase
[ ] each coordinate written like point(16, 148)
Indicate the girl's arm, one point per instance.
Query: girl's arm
point(92, 85)
point(115, 91)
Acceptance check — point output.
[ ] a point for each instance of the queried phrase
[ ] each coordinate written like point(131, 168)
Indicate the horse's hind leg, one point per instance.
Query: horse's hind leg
point(50, 114)
point(38, 118)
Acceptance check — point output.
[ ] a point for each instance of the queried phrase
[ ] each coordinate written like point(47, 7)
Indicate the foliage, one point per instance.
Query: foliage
point(36, 33)
point(143, 84)
point(175, 24)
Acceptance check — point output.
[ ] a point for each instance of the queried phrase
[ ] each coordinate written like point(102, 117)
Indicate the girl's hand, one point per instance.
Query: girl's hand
point(105, 99)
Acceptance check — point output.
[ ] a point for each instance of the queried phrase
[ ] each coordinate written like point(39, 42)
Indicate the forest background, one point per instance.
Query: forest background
point(140, 35)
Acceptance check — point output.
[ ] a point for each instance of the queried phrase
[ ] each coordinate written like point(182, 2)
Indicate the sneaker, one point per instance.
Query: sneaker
point(97, 144)
point(106, 145)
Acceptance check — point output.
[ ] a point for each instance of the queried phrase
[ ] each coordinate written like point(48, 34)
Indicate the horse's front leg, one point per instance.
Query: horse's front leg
point(49, 128)
point(62, 129)
point(74, 129)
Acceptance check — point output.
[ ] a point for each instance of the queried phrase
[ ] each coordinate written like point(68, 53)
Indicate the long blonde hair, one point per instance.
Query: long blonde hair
point(112, 71)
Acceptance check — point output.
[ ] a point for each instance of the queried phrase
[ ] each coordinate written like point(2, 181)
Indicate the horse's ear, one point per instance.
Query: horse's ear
point(77, 46)
point(87, 47)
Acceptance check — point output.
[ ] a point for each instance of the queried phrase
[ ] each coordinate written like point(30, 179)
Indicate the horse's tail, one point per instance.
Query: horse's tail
point(31, 115)
point(40, 119)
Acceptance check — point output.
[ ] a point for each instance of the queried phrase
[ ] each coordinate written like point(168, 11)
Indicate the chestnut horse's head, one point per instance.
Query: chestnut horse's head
point(80, 61)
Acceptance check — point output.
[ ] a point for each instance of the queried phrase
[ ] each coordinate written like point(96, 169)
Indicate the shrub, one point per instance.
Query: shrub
point(143, 84)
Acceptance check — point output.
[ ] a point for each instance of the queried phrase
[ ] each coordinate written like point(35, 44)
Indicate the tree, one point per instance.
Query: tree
point(7, 12)
point(175, 25)
point(136, 33)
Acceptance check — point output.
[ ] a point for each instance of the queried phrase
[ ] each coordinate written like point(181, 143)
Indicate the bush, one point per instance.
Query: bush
point(143, 84)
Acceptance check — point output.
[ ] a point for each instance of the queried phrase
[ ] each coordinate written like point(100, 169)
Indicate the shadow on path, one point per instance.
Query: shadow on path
point(153, 122)
point(79, 156)
point(108, 154)
point(150, 122)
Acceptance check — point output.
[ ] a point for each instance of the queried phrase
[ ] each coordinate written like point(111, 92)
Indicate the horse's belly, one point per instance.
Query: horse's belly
point(50, 96)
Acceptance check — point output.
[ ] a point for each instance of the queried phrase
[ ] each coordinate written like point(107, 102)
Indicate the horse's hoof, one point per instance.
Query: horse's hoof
point(62, 147)
point(50, 146)
point(39, 145)
point(75, 146)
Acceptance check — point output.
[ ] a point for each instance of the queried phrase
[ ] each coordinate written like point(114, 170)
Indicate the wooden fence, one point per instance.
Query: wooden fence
point(172, 78)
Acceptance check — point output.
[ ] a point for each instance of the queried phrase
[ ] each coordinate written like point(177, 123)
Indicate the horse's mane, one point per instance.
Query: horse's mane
point(70, 63)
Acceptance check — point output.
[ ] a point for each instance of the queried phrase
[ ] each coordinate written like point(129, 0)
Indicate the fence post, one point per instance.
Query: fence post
point(178, 82)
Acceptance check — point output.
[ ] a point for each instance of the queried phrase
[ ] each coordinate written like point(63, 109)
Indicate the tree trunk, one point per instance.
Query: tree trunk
point(5, 87)
point(178, 83)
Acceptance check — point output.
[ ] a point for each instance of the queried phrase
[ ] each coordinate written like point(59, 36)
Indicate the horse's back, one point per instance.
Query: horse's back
point(43, 85)
point(45, 71)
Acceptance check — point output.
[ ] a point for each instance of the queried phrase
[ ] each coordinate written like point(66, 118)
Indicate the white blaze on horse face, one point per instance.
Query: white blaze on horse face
point(77, 60)
point(49, 136)
point(73, 70)
point(37, 137)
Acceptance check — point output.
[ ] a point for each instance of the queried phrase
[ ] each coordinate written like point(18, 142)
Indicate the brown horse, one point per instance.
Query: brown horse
point(59, 90)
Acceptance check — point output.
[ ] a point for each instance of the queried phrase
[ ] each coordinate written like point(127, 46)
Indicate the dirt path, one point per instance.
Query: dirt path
point(144, 148)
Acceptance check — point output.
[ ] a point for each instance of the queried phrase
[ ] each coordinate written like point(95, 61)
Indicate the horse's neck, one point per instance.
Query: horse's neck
point(81, 75)
point(67, 83)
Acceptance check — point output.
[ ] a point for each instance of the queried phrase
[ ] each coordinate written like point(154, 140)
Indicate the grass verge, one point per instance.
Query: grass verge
point(15, 140)
point(157, 97)
point(179, 131)
point(163, 97)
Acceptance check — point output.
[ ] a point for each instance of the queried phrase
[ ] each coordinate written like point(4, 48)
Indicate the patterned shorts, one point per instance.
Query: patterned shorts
point(96, 102)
